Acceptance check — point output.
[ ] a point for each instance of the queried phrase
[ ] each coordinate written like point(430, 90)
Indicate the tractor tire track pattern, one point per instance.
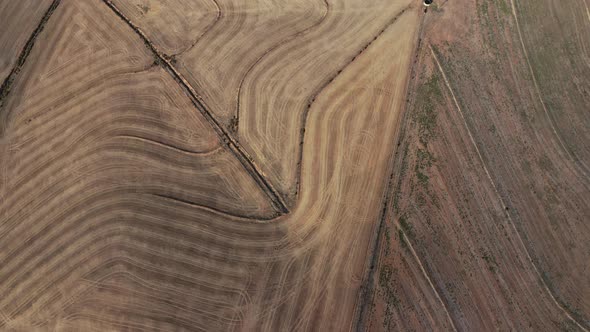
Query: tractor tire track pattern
point(233, 145)
point(305, 114)
point(270, 50)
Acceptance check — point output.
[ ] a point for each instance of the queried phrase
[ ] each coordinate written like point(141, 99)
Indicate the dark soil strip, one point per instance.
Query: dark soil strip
point(214, 209)
point(24, 54)
point(233, 145)
point(323, 87)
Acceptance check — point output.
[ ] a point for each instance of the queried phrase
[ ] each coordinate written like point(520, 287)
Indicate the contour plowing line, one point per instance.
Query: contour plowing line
point(234, 146)
point(495, 187)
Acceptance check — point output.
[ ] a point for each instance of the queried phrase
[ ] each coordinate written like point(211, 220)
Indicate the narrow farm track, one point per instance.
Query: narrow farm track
point(367, 293)
point(444, 204)
point(430, 283)
point(367, 290)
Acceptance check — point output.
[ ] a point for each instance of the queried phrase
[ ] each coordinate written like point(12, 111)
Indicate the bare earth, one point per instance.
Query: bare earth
point(264, 165)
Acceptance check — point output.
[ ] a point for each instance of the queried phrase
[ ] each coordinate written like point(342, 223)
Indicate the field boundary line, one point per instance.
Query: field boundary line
point(367, 290)
point(327, 83)
point(494, 186)
point(430, 283)
point(250, 218)
point(246, 160)
point(206, 31)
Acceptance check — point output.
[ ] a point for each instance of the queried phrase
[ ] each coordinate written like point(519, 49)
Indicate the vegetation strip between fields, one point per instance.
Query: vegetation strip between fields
point(366, 293)
point(366, 289)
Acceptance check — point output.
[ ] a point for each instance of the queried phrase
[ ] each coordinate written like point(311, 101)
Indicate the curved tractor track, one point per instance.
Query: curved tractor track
point(266, 165)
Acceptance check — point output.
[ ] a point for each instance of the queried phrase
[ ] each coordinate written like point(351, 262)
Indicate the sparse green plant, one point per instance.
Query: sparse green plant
point(428, 95)
point(406, 226)
point(145, 8)
point(490, 260)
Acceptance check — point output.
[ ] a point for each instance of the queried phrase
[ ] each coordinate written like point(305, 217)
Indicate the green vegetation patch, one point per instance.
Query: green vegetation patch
point(490, 260)
point(424, 160)
point(391, 300)
point(428, 96)
point(504, 7)
point(406, 226)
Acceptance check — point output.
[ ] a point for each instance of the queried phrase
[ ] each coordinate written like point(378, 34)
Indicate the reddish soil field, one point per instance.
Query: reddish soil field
point(301, 165)
point(490, 197)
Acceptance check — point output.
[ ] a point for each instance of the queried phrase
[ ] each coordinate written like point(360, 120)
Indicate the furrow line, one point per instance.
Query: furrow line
point(367, 289)
point(581, 164)
point(276, 46)
point(326, 84)
point(504, 206)
point(206, 31)
point(248, 217)
point(24, 54)
point(239, 152)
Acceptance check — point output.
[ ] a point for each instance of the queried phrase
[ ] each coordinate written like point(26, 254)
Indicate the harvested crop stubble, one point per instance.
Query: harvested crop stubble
point(122, 207)
point(224, 165)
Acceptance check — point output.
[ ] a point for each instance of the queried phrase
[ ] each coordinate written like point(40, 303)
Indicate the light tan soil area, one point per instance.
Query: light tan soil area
point(128, 200)
point(19, 20)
